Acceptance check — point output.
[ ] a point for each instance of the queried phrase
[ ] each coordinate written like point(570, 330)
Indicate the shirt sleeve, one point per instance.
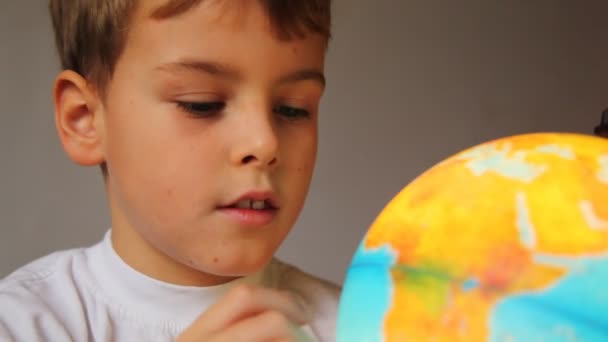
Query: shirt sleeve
point(24, 318)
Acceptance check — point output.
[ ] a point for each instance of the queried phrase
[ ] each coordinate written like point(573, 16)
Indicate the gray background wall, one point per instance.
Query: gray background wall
point(410, 82)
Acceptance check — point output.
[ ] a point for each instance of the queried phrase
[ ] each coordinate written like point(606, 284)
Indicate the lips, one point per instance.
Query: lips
point(253, 209)
point(255, 200)
point(253, 204)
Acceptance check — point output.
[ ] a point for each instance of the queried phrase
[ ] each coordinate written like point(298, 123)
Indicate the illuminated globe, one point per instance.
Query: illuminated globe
point(506, 241)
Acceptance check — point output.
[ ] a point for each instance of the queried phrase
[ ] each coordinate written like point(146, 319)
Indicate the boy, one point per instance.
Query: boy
point(203, 117)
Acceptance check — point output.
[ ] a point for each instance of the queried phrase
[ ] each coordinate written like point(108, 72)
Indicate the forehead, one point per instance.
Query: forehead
point(170, 8)
point(289, 20)
point(232, 33)
point(201, 19)
point(210, 16)
point(167, 9)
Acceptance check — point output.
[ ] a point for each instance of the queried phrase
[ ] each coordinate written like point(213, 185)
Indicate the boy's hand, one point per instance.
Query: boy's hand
point(249, 313)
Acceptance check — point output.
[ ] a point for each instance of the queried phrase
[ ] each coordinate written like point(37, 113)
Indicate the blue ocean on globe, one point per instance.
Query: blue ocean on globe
point(366, 296)
point(554, 314)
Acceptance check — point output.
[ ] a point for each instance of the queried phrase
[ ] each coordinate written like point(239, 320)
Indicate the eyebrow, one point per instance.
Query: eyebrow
point(304, 75)
point(216, 69)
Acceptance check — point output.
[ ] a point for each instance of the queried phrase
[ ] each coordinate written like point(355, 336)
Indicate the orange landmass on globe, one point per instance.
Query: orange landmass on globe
point(466, 232)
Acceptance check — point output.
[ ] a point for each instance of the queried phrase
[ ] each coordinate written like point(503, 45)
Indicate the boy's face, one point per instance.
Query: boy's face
point(203, 110)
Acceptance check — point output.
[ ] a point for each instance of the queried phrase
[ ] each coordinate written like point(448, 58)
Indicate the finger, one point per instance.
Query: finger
point(266, 326)
point(246, 301)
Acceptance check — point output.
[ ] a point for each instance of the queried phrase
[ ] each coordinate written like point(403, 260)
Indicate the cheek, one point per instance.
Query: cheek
point(306, 166)
point(144, 143)
point(155, 171)
point(303, 158)
point(133, 140)
point(310, 153)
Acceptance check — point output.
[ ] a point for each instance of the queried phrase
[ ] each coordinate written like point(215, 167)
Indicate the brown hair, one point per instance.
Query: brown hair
point(91, 34)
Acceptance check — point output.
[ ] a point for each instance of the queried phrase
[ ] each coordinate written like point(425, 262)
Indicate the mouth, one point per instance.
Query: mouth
point(253, 204)
point(255, 201)
point(254, 209)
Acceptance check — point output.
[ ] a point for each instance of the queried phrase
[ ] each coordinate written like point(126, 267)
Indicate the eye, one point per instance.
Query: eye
point(291, 113)
point(201, 109)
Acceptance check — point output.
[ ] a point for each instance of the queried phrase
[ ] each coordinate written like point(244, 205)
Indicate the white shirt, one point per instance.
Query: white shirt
point(90, 294)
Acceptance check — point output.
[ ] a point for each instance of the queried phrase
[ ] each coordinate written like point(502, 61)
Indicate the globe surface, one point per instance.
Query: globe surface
point(505, 241)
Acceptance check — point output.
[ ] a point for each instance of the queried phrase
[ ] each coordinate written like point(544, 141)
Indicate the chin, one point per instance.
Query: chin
point(239, 267)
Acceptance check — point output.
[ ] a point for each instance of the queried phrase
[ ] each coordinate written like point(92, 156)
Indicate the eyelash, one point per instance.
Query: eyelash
point(208, 109)
point(291, 113)
point(201, 109)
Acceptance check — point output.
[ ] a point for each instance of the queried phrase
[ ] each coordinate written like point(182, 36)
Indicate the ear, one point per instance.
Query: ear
point(78, 118)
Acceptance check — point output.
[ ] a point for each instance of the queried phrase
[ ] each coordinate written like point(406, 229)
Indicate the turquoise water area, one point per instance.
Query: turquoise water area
point(366, 296)
point(573, 309)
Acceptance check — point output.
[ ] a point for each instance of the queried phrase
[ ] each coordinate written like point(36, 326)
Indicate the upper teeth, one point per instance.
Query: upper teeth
point(250, 204)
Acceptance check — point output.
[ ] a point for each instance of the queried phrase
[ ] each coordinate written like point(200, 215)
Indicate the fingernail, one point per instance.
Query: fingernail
point(299, 333)
point(304, 308)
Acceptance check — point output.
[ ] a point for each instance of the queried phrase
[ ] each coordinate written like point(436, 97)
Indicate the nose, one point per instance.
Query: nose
point(256, 141)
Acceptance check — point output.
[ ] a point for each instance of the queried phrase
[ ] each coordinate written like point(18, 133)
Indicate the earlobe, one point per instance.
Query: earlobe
point(78, 118)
